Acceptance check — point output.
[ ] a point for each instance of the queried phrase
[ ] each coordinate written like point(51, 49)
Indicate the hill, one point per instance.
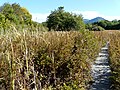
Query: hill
point(97, 19)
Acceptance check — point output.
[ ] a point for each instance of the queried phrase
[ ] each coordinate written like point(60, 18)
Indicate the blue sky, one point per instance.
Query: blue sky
point(40, 9)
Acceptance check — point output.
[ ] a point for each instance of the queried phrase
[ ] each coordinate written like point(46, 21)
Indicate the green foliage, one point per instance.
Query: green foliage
point(104, 24)
point(109, 25)
point(15, 13)
point(94, 27)
point(2, 19)
point(13, 16)
point(59, 20)
point(26, 16)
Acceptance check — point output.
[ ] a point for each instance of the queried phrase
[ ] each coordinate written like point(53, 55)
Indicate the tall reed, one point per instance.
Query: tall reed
point(46, 60)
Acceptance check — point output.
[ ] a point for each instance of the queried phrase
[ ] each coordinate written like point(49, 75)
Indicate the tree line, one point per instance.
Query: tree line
point(13, 15)
point(104, 25)
point(58, 20)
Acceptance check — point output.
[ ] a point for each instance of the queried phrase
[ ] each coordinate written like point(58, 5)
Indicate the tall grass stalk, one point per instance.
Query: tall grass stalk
point(42, 60)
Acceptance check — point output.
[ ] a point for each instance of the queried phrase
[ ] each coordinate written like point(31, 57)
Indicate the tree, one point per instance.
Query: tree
point(7, 10)
point(15, 13)
point(60, 20)
point(26, 16)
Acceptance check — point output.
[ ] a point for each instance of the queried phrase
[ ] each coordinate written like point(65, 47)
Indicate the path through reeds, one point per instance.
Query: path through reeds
point(101, 71)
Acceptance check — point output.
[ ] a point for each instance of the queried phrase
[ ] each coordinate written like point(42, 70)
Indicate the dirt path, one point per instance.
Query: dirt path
point(101, 71)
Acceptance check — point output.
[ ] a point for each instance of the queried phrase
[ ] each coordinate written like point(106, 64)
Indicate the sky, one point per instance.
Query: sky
point(40, 9)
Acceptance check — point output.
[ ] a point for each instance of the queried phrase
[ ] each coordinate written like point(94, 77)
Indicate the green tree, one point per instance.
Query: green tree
point(15, 13)
point(7, 10)
point(60, 20)
point(26, 16)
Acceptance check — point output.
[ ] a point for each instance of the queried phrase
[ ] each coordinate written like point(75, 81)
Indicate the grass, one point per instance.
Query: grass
point(46, 60)
point(54, 60)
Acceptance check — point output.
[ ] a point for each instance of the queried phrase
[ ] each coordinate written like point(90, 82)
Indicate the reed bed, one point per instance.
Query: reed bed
point(46, 60)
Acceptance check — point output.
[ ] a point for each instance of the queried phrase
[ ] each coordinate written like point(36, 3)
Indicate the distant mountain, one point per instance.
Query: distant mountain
point(86, 20)
point(97, 19)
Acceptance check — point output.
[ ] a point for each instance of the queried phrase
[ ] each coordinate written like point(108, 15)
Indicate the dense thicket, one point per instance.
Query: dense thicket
point(48, 60)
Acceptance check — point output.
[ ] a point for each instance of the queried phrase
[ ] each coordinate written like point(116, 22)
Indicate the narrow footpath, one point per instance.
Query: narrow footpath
point(101, 71)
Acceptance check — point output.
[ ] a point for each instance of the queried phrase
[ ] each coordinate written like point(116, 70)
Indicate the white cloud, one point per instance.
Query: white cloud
point(111, 17)
point(40, 17)
point(88, 14)
point(93, 14)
